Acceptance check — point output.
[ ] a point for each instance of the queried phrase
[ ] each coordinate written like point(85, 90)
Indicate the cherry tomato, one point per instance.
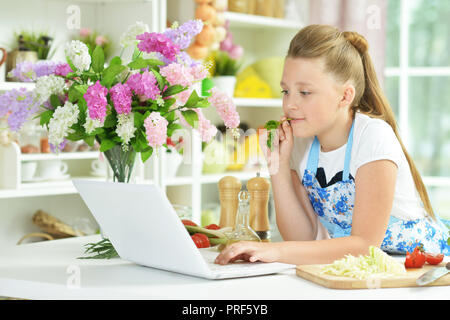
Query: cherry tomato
point(434, 258)
point(187, 222)
point(212, 226)
point(201, 240)
point(416, 259)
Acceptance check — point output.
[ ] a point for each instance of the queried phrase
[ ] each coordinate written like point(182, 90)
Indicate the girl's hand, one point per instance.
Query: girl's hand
point(283, 143)
point(251, 251)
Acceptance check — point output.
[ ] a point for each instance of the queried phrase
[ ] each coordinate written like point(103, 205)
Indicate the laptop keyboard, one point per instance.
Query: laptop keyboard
point(240, 267)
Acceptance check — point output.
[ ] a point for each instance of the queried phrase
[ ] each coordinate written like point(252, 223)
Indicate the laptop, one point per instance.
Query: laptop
point(144, 228)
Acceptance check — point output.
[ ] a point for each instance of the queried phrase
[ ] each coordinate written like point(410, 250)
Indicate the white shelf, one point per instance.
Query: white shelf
point(60, 156)
point(242, 20)
point(6, 86)
point(255, 102)
point(47, 188)
point(214, 178)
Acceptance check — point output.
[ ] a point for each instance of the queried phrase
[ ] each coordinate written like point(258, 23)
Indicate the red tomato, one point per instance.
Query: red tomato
point(201, 240)
point(434, 258)
point(187, 222)
point(416, 259)
point(212, 226)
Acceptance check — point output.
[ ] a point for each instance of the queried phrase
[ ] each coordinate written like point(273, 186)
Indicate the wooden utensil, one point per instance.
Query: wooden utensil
point(312, 273)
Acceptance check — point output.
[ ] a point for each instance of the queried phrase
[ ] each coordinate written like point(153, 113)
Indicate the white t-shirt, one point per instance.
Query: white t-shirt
point(373, 139)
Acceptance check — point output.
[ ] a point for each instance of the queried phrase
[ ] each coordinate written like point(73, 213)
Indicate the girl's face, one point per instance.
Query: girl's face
point(310, 96)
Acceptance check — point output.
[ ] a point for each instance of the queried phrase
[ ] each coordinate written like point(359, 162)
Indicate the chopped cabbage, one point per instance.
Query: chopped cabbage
point(376, 263)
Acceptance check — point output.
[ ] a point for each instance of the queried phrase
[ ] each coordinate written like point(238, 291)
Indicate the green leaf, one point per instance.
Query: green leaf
point(170, 116)
point(170, 91)
point(154, 62)
point(207, 84)
point(98, 59)
point(70, 63)
point(139, 63)
point(169, 102)
point(172, 127)
point(192, 101)
point(81, 88)
point(90, 140)
point(74, 95)
point(146, 154)
point(191, 117)
point(54, 101)
point(45, 117)
point(159, 78)
point(110, 73)
point(106, 144)
point(138, 119)
point(203, 103)
point(115, 61)
point(110, 121)
point(136, 52)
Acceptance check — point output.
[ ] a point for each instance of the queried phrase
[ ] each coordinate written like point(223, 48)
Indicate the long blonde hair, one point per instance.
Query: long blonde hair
point(346, 57)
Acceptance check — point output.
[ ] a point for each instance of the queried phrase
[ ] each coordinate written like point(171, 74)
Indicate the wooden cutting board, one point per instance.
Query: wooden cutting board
point(312, 273)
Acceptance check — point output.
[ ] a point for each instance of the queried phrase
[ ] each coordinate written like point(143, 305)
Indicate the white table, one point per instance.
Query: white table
point(51, 270)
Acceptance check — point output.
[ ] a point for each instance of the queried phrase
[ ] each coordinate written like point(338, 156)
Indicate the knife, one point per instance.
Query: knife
point(433, 275)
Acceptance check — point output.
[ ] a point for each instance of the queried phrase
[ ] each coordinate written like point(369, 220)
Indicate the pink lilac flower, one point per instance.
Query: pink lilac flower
point(121, 96)
point(144, 84)
point(225, 107)
point(207, 130)
point(199, 72)
point(101, 40)
point(62, 69)
point(183, 96)
point(95, 97)
point(156, 129)
point(157, 42)
point(177, 73)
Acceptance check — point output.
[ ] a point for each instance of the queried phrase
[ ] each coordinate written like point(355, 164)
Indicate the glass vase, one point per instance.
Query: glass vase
point(121, 162)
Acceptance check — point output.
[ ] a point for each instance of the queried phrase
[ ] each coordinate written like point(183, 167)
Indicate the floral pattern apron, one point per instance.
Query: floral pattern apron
point(334, 207)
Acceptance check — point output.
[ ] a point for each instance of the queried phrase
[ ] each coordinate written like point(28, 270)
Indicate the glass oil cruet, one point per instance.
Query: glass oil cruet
point(242, 230)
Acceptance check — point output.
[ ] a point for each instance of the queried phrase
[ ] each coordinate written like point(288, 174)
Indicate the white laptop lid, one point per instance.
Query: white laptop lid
point(142, 225)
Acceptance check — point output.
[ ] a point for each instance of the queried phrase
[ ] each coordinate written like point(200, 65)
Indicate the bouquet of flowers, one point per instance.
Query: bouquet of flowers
point(136, 105)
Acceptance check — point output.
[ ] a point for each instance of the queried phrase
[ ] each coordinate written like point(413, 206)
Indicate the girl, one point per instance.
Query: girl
point(341, 177)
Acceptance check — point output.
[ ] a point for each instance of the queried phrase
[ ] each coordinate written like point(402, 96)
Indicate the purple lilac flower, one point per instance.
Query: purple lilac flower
point(95, 97)
point(44, 68)
point(183, 35)
point(61, 146)
point(157, 42)
point(121, 96)
point(19, 105)
point(23, 72)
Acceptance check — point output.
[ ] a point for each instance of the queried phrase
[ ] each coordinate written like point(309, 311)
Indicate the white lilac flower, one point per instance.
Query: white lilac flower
point(63, 118)
point(125, 127)
point(48, 85)
point(159, 100)
point(78, 53)
point(129, 37)
point(91, 124)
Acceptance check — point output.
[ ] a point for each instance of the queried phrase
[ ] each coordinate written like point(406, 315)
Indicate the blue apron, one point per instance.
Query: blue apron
point(334, 207)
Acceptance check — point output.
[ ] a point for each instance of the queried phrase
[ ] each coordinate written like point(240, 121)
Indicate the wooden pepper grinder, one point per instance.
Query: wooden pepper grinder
point(229, 188)
point(258, 188)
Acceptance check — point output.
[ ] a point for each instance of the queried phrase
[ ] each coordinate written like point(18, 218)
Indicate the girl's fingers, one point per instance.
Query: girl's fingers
point(232, 252)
